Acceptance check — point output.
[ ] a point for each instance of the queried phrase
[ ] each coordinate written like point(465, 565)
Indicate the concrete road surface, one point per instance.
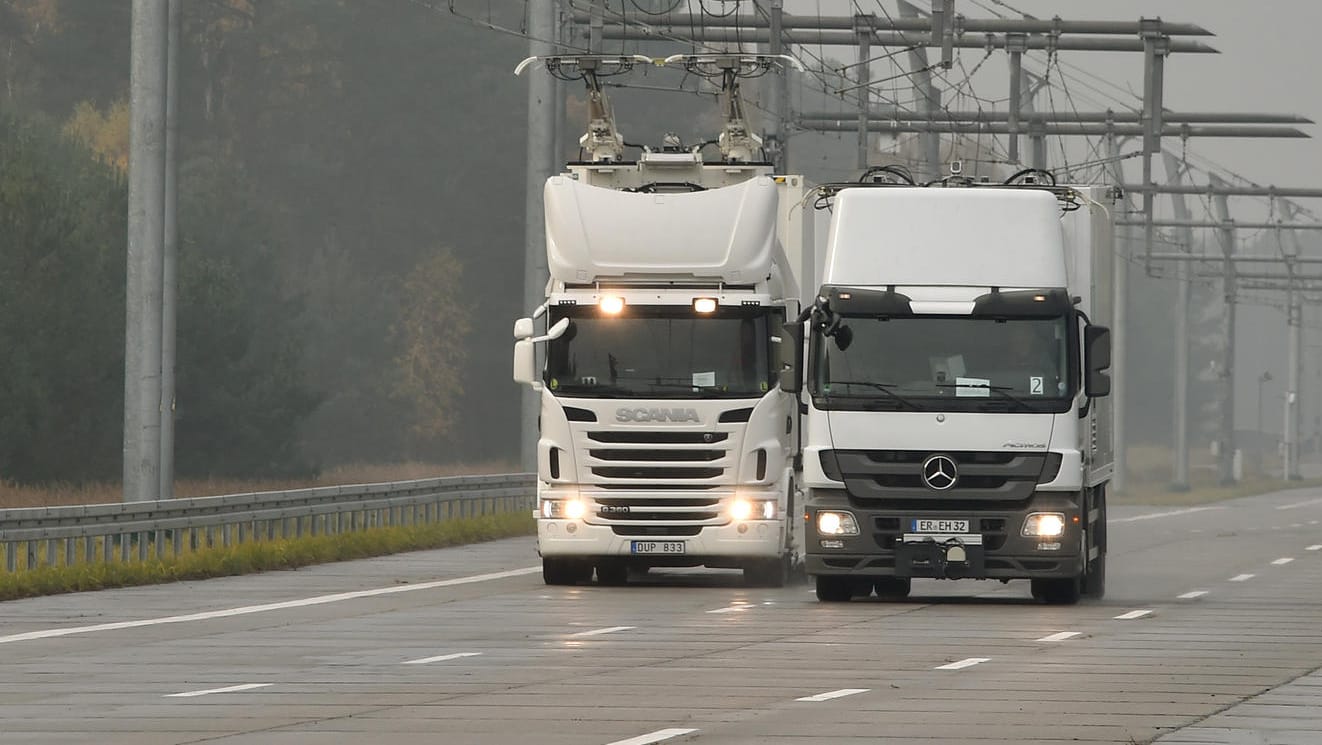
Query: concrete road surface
point(1211, 632)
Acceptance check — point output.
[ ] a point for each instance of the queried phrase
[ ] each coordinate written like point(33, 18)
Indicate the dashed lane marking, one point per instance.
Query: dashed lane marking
point(227, 689)
point(1242, 577)
point(1193, 594)
point(1131, 615)
point(1283, 561)
point(607, 630)
point(970, 662)
point(651, 737)
point(1314, 547)
point(441, 658)
point(834, 694)
point(1061, 636)
point(1297, 505)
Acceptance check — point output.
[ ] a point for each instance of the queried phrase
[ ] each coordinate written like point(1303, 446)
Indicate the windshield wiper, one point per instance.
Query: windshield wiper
point(1003, 390)
point(883, 387)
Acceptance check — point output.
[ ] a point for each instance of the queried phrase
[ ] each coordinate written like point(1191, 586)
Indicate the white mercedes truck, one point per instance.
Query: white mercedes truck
point(663, 439)
point(955, 383)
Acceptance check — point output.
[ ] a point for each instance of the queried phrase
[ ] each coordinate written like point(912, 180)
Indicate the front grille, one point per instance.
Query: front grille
point(886, 531)
point(660, 456)
point(655, 472)
point(660, 438)
point(651, 531)
point(894, 478)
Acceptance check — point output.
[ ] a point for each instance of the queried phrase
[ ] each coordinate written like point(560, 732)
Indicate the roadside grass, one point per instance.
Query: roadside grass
point(263, 556)
point(57, 494)
point(1150, 480)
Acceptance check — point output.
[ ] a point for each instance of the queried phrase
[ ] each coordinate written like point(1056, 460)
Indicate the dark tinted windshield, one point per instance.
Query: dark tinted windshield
point(662, 352)
point(951, 363)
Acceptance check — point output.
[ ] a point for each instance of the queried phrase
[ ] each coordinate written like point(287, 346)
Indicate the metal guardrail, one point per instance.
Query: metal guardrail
point(53, 536)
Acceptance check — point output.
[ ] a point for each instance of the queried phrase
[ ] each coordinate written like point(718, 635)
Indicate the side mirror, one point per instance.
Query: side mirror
point(523, 328)
point(525, 365)
point(1097, 360)
point(791, 358)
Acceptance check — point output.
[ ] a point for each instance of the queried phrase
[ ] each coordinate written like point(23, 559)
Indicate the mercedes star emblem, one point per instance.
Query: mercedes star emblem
point(940, 472)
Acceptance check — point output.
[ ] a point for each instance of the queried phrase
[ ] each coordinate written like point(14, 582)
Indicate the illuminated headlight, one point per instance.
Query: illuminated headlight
point(611, 305)
point(752, 509)
point(571, 509)
point(704, 305)
point(836, 523)
point(1044, 525)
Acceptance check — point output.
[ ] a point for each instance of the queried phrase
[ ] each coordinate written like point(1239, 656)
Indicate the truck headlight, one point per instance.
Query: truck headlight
point(836, 523)
point(1044, 525)
point(742, 509)
point(571, 509)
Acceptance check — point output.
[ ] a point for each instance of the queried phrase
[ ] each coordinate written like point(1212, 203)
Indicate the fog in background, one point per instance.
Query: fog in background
point(353, 189)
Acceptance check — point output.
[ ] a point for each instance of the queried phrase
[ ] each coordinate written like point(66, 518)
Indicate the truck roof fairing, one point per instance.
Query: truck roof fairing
point(726, 234)
point(967, 237)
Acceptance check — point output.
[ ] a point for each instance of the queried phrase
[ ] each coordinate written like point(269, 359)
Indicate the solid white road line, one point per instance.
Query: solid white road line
point(834, 694)
point(1172, 513)
point(441, 658)
point(229, 689)
point(608, 630)
point(1131, 615)
point(1242, 577)
point(1193, 594)
point(1283, 561)
point(1316, 547)
point(1297, 505)
point(658, 736)
point(265, 608)
point(1061, 636)
point(970, 662)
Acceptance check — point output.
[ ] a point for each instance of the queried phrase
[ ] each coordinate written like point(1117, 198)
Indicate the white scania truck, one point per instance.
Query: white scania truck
point(956, 357)
point(663, 440)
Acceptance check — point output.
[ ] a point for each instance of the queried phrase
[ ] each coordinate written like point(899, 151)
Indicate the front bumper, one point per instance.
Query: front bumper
point(993, 549)
point(714, 545)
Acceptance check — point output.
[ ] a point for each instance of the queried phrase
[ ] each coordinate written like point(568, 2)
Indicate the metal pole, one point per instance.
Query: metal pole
point(1119, 330)
point(1226, 459)
point(1294, 311)
point(596, 23)
point(170, 251)
point(1153, 82)
point(1180, 409)
point(1015, 44)
point(142, 338)
point(776, 136)
point(927, 97)
point(864, 89)
point(541, 165)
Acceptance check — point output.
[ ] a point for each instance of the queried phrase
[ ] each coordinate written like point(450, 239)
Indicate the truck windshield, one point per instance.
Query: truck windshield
point(662, 352)
point(944, 363)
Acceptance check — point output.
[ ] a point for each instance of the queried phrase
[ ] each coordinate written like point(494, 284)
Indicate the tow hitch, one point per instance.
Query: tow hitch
point(939, 556)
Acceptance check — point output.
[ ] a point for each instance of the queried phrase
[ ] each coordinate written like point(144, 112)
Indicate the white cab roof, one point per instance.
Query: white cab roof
point(726, 234)
point(971, 237)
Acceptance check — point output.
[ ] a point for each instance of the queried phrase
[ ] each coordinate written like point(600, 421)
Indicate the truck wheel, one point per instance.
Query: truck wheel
point(612, 572)
point(1094, 581)
point(835, 589)
point(768, 573)
point(1057, 591)
point(565, 571)
point(892, 588)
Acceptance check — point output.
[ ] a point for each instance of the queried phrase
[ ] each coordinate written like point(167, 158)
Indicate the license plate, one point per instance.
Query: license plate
point(938, 525)
point(657, 547)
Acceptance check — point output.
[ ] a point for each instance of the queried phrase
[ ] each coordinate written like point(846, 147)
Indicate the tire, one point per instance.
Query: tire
point(1094, 581)
point(565, 571)
point(1057, 591)
point(833, 588)
point(768, 573)
point(612, 573)
point(892, 588)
